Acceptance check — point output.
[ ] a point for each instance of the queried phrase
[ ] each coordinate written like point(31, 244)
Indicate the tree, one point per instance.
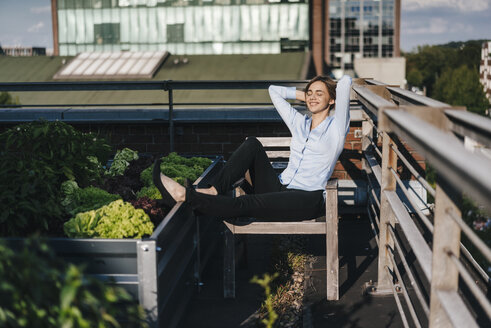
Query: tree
point(461, 87)
point(415, 78)
point(430, 61)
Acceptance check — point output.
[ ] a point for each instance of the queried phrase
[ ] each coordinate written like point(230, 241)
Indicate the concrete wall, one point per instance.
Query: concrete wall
point(388, 70)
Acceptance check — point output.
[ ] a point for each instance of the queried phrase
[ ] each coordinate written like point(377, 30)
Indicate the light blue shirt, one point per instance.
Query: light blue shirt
point(313, 154)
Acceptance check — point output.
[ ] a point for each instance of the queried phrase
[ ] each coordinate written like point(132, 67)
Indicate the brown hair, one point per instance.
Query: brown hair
point(330, 85)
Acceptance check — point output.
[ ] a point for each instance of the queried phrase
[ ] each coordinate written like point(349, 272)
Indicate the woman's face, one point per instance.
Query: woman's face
point(317, 97)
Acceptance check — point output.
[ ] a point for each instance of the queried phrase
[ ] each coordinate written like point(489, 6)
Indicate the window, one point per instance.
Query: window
point(175, 33)
point(106, 33)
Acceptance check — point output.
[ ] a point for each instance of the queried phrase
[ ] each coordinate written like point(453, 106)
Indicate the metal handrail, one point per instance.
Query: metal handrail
point(403, 287)
point(406, 97)
point(398, 301)
point(414, 284)
point(168, 86)
point(469, 124)
point(448, 156)
point(418, 211)
point(469, 281)
point(413, 171)
point(163, 85)
point(483, 248)
point(460, 171)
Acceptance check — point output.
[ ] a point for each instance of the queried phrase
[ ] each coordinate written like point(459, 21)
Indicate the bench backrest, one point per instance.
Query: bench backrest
point(277, 149)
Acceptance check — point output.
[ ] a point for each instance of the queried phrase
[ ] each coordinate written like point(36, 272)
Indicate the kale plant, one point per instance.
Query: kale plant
point(121, 161)
point(178, 168)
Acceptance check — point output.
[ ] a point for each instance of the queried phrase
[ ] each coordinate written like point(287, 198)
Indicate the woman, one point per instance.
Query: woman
point(296, 194)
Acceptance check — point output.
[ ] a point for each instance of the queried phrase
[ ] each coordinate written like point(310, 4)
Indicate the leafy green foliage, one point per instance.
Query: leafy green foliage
point(115, 220)
point(35, 158)
point(461, 87)
point(151, 192)
point(121, 161)
point(78, 200)
point(415, 77)
point(450, 73)
point(39, 290)
point(178, 168)
point(265, 283)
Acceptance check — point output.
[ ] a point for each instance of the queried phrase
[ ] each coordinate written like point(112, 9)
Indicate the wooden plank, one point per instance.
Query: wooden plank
point(388, 183)
point(332, 258)
point(446, 238)
point(412, 233)
point(275, 141)
point(278, 153)
point(457, 313)
point(279, 228)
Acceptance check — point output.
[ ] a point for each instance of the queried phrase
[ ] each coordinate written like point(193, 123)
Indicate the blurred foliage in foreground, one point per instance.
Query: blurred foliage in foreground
point(39, 290)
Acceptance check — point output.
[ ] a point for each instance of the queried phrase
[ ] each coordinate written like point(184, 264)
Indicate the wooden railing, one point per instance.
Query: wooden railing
point(445, 289)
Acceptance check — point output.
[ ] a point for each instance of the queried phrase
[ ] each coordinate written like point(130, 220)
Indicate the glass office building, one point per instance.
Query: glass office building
point(362, 28)
point(181, 26)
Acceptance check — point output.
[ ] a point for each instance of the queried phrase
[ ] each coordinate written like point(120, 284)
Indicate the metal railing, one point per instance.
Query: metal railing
point(447, 293)
point(168, 86)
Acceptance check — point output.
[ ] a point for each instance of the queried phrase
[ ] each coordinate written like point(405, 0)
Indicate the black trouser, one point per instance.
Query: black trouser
point(271, 200)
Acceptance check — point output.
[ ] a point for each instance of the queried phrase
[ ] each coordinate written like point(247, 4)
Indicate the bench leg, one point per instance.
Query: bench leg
point(229, 265)
point(332, 256)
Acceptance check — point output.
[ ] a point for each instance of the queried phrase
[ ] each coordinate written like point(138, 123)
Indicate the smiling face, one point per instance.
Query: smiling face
point(317, 97)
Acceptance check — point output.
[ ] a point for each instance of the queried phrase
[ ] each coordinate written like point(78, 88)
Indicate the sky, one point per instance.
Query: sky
point(28, 22)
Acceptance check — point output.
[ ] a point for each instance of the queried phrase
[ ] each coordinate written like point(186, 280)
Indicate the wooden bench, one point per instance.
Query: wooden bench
point(327, 226)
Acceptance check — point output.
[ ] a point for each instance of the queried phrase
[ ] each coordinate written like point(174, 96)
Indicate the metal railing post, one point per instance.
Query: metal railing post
point(171, 121)
point(389, 160)
point(148, 280)
point(446, 238)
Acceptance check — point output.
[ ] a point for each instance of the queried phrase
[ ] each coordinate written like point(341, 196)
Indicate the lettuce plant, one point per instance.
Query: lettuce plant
point(151, 192)
point(76, 200)
point(118, 219)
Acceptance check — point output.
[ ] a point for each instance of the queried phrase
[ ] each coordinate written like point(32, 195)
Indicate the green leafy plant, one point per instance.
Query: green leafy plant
point(35, 158)
point(115, 220)
point(40, 290)
point(178, 168)
point(121, 161)
point(151, 192)
point(265, 283)
point(76, 200)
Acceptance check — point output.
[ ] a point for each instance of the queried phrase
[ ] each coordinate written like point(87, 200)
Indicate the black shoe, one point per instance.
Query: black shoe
point(166, 197)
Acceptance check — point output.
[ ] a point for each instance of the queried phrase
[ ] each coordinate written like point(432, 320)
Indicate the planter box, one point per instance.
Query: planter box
point(161, 271)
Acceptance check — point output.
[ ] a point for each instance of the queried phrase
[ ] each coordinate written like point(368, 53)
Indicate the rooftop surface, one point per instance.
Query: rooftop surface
point(287, 66)
point(358, 265)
